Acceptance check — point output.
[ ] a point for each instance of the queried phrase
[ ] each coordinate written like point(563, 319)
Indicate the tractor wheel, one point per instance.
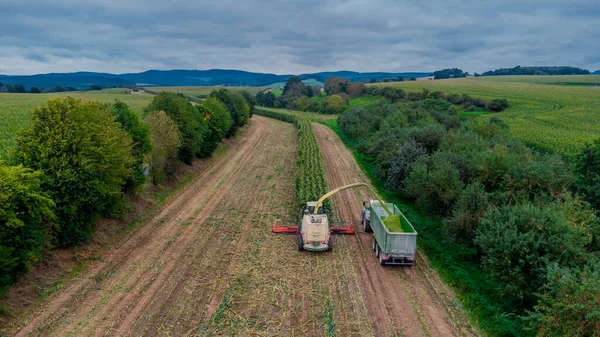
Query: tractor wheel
point(367, 226)
point(300, 242)
point(330, 243)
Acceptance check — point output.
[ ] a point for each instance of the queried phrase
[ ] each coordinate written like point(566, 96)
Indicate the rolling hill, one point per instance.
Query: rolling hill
point(213, 77)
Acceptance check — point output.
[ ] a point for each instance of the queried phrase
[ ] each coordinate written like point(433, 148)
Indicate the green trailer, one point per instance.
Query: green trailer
point(394, 248)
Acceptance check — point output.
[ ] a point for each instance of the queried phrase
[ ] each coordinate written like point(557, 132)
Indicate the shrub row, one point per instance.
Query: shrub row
point(467, 102)
point(506, 205)
point(77, 160)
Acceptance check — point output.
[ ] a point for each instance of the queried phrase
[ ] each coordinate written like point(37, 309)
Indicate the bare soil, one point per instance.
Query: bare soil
point(207, 263)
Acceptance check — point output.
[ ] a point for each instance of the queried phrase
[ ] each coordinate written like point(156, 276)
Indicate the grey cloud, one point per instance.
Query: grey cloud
point(296, 36)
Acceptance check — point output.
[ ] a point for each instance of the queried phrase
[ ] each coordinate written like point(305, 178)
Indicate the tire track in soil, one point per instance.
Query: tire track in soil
point(404, 301)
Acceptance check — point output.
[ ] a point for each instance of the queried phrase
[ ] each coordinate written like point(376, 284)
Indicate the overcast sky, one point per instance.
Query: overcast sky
point(304, 36)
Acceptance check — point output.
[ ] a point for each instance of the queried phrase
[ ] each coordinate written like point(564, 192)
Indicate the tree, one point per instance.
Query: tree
point(86, 158)
point(95, 87)
point(497, 105)
point(24, 214)
point(266, 99)
point(520, 242)
point(250, 101)
point(336, 85)
point(188, 120)
point(293, 81)
point(448, 73)
point(333, 104)
point(142, 145)
point(166, 140)
point(19, 89)
point(569, 304)
point(402, 164)
point(218, 120)
point(34, 90)
point(237, 107)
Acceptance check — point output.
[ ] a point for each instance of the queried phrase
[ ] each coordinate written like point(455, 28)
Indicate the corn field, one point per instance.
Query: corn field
point(310, 174)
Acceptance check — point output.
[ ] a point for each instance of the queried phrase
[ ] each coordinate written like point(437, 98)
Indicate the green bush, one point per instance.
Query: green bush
point(569, 303)
point(519, 243)
point(470, 207)
point(402, 164)
point(435, 184)
point(250, 101)
point(218, 121)
point(587, 173)
point(24, 214)
point(86, 158)
point(333, 104)
point(497, 105)
point(188, 119)
point(166, 140)
point(140, 135)
point(237, 107)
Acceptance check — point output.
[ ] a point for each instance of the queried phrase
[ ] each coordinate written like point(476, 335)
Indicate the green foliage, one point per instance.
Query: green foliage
point(497, 105)
point(554, 113)
point(587, 173)
point(237, 107)
point(166, 140)
point(520, 242)
point(501, 202)
point(140, 135)
point(218, 121)
point(250, 101)
point(266, 99)
point(471, 206)
point(435, 184)
point(188, 119)
point(333, 104)
point(24, 214)
point(569, 304)
point(86, 157)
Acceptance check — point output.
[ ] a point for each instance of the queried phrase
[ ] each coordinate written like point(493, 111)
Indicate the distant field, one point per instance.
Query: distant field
point(363, 100)
point(311, 81)
point(557, 118)
point(205, 91)
point(15, 109)
point(574, 80)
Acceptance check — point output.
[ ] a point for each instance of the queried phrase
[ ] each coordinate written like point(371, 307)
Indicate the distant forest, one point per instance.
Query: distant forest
point(518, 70)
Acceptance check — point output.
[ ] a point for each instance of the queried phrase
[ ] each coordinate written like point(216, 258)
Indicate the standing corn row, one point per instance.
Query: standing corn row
point(310, 172)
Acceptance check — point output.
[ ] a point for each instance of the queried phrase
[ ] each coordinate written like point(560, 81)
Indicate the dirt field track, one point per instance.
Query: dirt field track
point(208, 264)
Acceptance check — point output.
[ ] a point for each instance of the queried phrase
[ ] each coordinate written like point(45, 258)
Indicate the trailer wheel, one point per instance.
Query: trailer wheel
point(373, 243)
point(377, 251)
point(367, 226)
point(381, 261)
point(330, 243)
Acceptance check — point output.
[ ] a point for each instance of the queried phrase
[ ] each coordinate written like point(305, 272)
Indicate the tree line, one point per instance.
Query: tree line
point(78, 160)
point(527, 219)
point(518, 70)
point(21, 89)
point(465, 101)
point(296, 95)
